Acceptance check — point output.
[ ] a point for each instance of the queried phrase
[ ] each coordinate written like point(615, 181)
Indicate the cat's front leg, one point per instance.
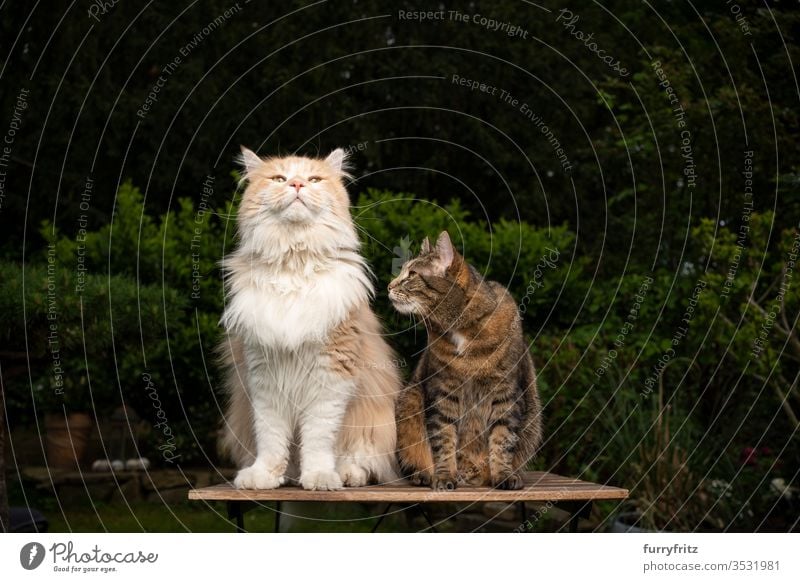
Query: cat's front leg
point(504, 428)
point(272, 432)
point(502, 446)
point(440, 424)
point(319, 427)
point(473, 457)
point(272, 425)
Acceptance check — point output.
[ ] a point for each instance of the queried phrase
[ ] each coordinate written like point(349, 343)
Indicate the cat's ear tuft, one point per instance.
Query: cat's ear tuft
point(250, 161)
point(337, 160)
point(425, 248)
point(445, 250)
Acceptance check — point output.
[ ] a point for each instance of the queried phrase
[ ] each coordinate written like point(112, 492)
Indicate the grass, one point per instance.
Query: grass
point(212, 517)
point(77, 514)
point(149, 517)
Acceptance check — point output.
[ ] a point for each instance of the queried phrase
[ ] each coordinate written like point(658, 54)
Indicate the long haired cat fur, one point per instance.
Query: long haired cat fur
point(310, 386)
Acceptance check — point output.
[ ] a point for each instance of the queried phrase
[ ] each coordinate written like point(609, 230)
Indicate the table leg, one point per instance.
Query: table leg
point(380, 519)
point(427, 517)
point(577, 510)
point(277, 528)
point(236, 514)
point(417, 507)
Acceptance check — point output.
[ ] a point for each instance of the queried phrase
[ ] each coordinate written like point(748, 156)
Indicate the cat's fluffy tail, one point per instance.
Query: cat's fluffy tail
point(413, 449)
point(238, 439)
point(531, 430)
point(368, 436)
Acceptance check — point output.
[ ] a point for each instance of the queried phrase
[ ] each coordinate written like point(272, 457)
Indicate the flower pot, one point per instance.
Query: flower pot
point(67, 439)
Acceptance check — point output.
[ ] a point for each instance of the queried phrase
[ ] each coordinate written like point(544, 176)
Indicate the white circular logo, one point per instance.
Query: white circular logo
point(31, 555)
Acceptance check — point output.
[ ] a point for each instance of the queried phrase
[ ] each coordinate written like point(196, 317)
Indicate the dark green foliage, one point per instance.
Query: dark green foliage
point(79, 332)
point(537, 265)
point(346, 73)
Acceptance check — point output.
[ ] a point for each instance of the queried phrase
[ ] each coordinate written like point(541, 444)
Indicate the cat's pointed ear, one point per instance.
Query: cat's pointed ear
point(445, 250)
point(425, 248)
point(337, 160)
point(249, 160)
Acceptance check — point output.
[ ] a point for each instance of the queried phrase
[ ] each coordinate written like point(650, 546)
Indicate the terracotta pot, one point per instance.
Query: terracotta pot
point(67, 439)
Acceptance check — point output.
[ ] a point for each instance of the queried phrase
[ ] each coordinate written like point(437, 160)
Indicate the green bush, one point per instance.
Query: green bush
point(604, 348)
point(536, 264)
point(175, 255)
point(74, 329)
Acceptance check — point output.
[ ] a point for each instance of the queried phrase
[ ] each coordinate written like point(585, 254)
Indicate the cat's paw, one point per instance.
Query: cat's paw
point(257, 477)
point(353, 475)
point(321, 480)
point(420, 478)
point(507, 481)
point(469, 477)
point(443, 482)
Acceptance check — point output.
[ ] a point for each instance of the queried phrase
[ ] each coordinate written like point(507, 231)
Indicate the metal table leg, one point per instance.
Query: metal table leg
point(427, 517)
point(277, 528)
point(416, 508)
point(236, 514)
point(523, 512)
point(380, 519)
point(577, 511)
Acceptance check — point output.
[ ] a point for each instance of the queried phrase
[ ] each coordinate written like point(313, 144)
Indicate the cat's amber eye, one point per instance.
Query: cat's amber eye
point(315, 179)
point(278, 178)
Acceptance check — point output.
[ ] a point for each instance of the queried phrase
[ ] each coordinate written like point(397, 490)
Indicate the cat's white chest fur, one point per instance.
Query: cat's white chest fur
point(285, 309)
point(458, 340)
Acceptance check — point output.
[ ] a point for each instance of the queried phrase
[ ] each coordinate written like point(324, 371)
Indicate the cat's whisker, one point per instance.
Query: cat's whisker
point(365, 207)
point(371, 238)
point(416, 325)
point(221, 215)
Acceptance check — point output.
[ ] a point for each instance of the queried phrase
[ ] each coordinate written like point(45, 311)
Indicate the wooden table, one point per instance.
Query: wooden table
point(572, 495)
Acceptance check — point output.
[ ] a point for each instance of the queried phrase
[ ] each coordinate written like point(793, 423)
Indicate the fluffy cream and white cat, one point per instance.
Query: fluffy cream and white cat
point(310, 379)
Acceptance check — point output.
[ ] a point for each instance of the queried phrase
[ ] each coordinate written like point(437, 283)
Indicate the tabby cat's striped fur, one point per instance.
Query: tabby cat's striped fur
point(471, 413)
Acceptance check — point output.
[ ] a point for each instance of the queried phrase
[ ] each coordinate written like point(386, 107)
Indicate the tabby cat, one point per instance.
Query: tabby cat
point(471, 413)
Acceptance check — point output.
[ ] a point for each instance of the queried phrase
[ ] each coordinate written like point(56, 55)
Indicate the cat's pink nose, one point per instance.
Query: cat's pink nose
point(297, 184)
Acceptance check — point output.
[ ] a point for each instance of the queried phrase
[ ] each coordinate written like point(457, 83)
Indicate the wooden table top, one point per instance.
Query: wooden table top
point(539, 486)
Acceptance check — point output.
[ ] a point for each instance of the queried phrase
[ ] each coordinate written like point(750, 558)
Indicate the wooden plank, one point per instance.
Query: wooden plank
point(539, 486)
